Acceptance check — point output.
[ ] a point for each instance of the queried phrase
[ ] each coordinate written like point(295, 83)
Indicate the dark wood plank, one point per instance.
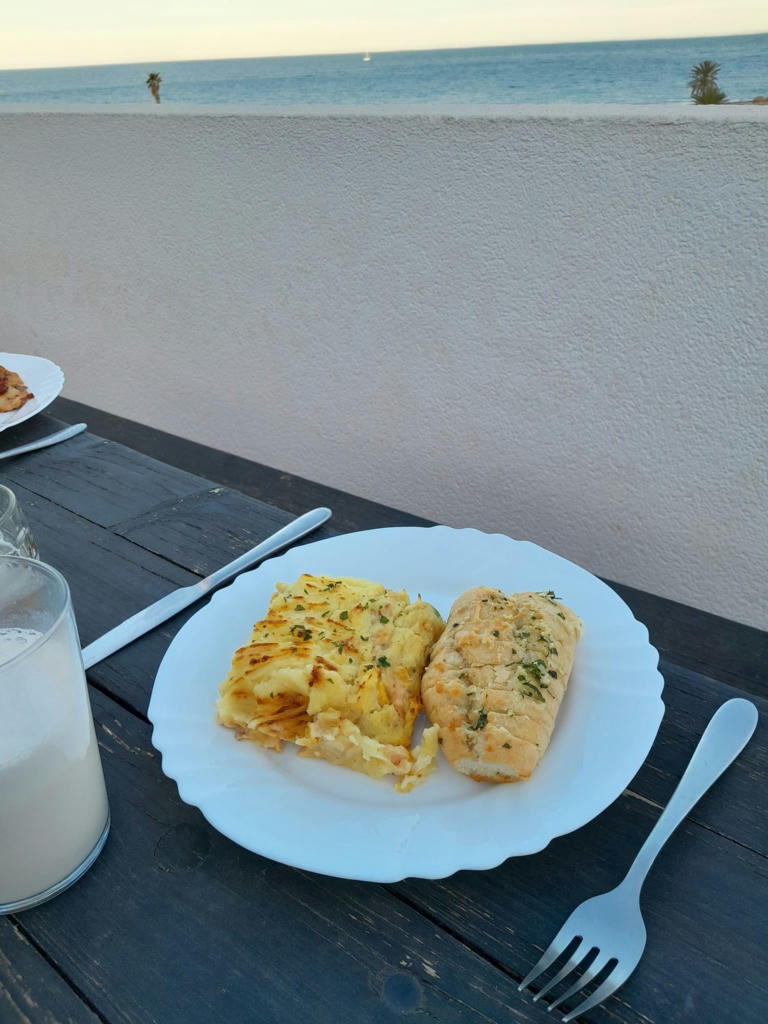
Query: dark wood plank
point(205, 530)
point(737, 806)
point(103, 482)
point(292, 493)
point(31, 990)
point(703, 903)
point(110, 578)
point(709, 644)
point(176, 924)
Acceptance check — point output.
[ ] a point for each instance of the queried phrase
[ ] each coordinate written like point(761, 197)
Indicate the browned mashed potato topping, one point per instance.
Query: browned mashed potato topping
point(335, 667)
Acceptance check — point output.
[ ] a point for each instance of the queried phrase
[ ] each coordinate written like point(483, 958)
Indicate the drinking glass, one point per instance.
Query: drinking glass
point(54, 815)
point(15, 535)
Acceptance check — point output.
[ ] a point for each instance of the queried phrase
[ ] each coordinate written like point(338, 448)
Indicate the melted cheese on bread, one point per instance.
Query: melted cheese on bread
point(496, 679)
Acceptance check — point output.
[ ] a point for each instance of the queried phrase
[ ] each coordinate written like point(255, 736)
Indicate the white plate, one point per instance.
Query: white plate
point(316, 816)
point(43, 378)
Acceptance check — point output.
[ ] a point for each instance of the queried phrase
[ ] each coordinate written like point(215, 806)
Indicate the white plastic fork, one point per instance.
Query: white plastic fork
point(610, 927)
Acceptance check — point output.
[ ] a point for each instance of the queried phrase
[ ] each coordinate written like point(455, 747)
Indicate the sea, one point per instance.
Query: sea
point(631, 72)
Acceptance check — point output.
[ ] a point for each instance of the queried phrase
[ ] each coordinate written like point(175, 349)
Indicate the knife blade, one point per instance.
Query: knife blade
point(43, 442)
point(142, 622)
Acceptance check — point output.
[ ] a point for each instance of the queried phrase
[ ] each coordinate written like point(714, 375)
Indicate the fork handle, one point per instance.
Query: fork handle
point(723, 740)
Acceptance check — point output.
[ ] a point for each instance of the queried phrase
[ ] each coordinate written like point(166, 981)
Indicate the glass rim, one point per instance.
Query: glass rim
point(12, 503)
point(53, 574)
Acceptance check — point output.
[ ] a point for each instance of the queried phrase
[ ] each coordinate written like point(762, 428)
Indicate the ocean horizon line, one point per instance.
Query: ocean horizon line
point(353, 53)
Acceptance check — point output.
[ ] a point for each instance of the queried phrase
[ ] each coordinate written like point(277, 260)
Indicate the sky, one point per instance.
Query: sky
point(51, 33)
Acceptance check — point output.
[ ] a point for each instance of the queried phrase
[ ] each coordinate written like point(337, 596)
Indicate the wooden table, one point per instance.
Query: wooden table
point(175, 923)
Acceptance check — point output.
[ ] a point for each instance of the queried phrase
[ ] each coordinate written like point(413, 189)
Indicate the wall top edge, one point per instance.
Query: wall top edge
point(670, 112)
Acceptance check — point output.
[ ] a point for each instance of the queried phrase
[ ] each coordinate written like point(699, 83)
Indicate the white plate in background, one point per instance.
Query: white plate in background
point(320, 817)
point(43, 378)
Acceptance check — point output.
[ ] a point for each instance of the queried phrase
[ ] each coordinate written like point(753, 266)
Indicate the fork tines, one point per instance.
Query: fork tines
point(583, 958)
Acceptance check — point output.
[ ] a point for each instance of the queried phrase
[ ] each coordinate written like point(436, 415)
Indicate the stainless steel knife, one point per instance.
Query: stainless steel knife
point(43, 442)
point(142, 622)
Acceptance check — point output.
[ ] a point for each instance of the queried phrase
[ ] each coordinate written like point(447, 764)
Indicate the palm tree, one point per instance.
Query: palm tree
point(703, 83)
point(153, 84)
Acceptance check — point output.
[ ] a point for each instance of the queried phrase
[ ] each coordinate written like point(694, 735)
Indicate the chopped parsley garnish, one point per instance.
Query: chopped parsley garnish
point(383, 662)
point(534, 669)
point(551, 672)
point(531, 690)
point(560, 614)
point(300, 608)
point(302, 633)
point(364, 637)
point(507, 746)
point(344, 615)
point(495, 632)
point(482, 719)
point(383, 618)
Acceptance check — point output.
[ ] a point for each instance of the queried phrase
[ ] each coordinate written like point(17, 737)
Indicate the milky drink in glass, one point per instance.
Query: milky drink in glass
point(54, 815)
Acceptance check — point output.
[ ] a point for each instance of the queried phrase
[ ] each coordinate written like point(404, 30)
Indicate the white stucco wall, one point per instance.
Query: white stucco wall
point(547, 322)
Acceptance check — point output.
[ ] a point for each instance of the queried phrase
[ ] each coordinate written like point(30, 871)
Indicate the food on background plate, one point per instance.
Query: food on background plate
point(335, 667)
point(496, 679)
point(13, 391)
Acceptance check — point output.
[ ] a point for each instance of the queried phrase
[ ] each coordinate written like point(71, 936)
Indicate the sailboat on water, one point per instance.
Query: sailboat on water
point(367, 56)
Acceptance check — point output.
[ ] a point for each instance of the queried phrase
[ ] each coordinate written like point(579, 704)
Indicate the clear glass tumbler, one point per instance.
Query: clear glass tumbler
point(54, 815)
point(15, 535)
